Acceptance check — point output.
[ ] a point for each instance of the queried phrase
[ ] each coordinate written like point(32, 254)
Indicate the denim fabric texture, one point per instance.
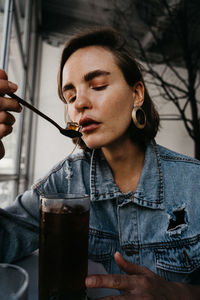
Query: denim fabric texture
point(157, 226)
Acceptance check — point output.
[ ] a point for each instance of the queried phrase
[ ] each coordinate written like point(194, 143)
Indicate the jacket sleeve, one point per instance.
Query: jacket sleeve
point(19, 223)
point(19, 227)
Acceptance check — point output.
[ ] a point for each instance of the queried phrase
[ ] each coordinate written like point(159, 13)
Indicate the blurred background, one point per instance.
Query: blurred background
point(163, 34)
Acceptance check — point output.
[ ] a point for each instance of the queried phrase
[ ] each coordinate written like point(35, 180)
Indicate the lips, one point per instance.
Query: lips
point(88, 124)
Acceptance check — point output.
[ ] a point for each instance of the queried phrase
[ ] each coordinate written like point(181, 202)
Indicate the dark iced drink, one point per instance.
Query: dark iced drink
point(63, 251)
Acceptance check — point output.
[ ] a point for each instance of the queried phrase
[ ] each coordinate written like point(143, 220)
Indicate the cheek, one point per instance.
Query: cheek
point(71, 113)
point(121, 108)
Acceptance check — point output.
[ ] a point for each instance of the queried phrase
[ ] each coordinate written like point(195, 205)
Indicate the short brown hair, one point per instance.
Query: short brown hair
point(130, 67)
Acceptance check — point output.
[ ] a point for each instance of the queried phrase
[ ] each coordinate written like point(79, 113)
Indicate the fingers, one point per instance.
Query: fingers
point(130, 268)
point(2, 150)
point(6, 118)
point(3, 74)
point(6, 122)
point(9, 104)
point(117, 281)
point(6, 104)
point(124, 265)
point(7, 87)
point(5, 130)
point(112, 281)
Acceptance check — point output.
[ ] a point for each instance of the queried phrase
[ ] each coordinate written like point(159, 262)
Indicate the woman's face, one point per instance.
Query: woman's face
point(98, 97)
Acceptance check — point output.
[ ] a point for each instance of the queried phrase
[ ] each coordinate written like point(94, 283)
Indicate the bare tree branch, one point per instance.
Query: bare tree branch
point(171, 39)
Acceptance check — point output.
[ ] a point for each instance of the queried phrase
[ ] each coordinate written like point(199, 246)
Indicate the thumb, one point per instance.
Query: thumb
point(129, 267)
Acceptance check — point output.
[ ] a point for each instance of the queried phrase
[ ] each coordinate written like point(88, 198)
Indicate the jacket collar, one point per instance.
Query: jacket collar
point(149, 192)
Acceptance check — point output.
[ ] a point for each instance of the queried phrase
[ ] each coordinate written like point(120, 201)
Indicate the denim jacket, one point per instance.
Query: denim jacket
point(157, 226)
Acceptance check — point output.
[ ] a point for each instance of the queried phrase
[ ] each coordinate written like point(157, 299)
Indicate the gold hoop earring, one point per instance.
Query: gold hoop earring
point(139, 117)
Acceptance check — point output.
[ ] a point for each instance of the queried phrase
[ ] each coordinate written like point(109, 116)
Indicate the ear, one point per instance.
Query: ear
point(138, 90)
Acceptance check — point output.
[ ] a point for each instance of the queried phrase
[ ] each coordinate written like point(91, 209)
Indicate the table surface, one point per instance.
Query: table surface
point(30, 264)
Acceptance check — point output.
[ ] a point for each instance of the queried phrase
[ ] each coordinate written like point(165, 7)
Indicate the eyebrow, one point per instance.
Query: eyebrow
point(67, 87)
point(96, 73)
point(87, 77)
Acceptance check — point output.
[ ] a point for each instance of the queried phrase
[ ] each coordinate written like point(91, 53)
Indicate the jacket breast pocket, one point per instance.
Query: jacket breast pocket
point(179, 263)
point(102, 247)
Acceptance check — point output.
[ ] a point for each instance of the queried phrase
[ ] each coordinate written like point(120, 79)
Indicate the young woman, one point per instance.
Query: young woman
point(144, 197)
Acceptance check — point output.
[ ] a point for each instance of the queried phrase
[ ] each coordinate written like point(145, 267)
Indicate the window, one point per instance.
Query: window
point(18, 32)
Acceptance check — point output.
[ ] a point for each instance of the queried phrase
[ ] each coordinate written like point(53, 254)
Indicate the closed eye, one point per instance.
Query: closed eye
point(100, 88)
point(71, 100)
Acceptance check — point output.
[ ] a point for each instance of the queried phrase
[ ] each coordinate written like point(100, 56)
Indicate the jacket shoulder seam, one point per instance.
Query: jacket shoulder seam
point(56, 169)
point(180, 159)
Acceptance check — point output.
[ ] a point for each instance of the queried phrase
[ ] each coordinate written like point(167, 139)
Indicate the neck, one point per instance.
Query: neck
point(125, 159)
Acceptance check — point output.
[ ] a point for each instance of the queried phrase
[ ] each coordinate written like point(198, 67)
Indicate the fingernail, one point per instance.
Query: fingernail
point(117, 253)
point(12, 85)
point(90, 281)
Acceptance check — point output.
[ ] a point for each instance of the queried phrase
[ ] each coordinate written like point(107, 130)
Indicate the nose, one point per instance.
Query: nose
point(82, 102)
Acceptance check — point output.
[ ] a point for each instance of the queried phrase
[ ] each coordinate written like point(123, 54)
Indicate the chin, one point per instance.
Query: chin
point(93, 146)
point(92, 143)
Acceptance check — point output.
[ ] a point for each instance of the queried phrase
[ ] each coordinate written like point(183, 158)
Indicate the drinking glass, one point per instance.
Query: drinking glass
point(63, 250)
point(13, 282)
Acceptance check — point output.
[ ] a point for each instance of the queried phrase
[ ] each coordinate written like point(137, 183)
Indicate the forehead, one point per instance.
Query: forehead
point(87, 59)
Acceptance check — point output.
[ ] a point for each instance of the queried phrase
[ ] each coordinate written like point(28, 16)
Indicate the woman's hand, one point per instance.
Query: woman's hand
point(141, 284)
point(6, 104)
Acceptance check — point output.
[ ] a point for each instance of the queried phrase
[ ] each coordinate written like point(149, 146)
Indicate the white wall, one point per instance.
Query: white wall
point(51, 146)
point(172, 134)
